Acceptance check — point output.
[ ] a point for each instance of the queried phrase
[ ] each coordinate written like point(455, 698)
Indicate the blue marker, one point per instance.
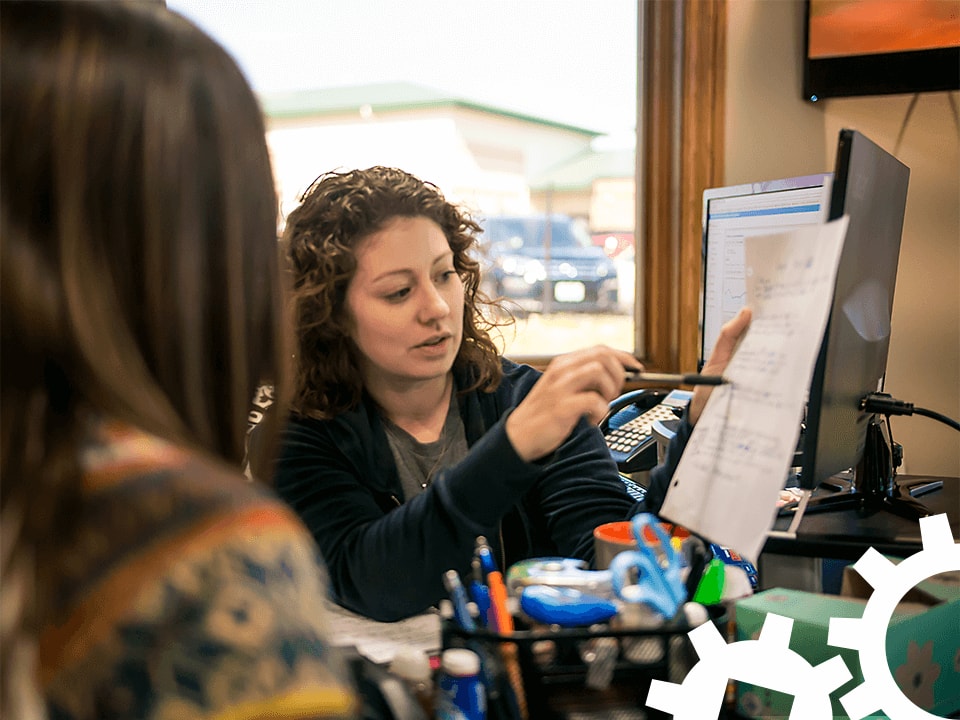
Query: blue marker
point(458, 596)
point(479, 591)
point(485, 554)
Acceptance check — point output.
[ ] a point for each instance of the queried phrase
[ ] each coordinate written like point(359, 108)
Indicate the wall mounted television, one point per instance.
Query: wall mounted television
point(880, 47)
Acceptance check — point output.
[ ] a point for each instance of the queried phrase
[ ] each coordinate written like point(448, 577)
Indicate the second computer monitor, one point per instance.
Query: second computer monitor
point(733, 213)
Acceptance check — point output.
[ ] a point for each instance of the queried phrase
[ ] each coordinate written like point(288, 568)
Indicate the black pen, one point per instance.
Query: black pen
point(681, 379)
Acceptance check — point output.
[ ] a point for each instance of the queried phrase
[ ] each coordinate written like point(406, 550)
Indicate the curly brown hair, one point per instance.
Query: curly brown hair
point(337, 212)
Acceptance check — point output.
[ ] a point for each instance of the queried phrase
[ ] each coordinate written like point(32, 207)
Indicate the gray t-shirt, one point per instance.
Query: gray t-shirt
point(418, 462)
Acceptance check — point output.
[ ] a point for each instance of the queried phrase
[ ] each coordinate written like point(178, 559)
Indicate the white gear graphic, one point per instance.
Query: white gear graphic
point(867, 635)
point(767, 662)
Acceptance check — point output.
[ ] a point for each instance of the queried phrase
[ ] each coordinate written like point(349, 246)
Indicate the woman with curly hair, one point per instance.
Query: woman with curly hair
point(410, 434)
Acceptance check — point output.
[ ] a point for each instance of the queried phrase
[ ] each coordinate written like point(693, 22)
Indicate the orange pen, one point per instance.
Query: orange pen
point(499, 617)
point(502, 622)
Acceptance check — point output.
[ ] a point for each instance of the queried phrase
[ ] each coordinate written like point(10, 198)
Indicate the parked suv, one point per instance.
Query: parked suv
point(546, 264)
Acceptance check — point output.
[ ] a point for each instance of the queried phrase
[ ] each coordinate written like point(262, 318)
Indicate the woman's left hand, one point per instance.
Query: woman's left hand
point(730, 335)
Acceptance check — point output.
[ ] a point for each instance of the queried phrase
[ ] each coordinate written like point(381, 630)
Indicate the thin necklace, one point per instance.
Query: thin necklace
point(422, 451)
point(428, 479)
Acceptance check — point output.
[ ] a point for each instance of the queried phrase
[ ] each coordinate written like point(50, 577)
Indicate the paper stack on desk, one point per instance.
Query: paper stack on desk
point(736, 461)
point(380, 641)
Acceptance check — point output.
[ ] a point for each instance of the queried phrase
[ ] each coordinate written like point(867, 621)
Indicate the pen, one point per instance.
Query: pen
point(458, 596)
point(682, 379)
point(485, 554)
point(499, 614)
point(502, 623)
point(479, 591)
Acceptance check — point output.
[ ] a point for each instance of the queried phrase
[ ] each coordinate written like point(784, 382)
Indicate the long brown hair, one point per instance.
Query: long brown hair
point(337, 212)
point(137, 248)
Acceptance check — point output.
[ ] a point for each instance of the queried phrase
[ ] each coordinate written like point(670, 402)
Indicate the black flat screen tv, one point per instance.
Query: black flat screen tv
point(880, 47)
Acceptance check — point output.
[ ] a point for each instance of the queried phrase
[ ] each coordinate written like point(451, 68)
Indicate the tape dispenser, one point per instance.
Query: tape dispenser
point(559, 572)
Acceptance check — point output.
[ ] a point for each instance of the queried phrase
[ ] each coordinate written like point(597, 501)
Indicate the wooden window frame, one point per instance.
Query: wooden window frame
point(680, 138)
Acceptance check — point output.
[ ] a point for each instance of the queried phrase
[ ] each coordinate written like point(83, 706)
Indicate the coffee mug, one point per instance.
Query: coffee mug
point(611, 539)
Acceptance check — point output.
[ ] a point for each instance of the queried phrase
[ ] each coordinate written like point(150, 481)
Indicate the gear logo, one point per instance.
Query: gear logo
point(867, 635)
point(769, 662)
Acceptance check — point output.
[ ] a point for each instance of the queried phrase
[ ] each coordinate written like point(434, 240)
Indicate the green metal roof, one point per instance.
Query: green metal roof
point(385, 98)
point(580, 171)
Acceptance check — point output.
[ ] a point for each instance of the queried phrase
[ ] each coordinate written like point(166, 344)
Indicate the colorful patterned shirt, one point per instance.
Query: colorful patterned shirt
point(189, 593)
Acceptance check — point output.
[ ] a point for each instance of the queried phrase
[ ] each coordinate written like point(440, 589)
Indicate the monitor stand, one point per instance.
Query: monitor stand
point(875, 487)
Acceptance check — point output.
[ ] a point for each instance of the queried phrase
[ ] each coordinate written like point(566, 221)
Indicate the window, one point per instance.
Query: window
point(514, 109)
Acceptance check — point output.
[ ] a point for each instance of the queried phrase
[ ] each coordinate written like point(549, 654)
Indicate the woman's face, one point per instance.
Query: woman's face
point(405, 303)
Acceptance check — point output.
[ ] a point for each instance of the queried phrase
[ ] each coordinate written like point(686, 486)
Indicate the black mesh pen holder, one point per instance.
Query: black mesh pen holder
point(578, 673)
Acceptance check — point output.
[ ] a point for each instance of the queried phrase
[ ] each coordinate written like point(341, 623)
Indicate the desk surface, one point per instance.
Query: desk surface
point(846, 534)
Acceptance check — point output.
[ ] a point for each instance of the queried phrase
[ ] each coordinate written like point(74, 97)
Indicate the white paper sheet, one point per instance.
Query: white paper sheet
point(737, 459)
point(380, 641)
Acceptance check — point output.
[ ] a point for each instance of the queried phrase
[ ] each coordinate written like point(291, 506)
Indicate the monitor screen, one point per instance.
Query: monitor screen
point(870, 187)
point(732, 213)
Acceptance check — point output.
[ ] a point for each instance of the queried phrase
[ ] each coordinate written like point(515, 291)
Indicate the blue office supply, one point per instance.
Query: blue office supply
point(483, 551)
point(458, 596)
point(658, 581)
point(479, 591)
point(460, 691)
point(731, 557)
point(564, 606)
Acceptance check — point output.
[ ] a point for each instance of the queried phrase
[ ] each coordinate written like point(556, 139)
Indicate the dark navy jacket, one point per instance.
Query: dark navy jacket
point(386, 556)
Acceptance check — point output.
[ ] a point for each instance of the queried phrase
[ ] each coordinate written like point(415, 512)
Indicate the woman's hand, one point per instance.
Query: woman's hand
point(574, 385)
point(730, 335)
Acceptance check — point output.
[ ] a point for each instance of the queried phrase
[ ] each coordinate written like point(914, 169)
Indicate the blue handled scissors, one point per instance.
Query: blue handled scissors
point(658, 582)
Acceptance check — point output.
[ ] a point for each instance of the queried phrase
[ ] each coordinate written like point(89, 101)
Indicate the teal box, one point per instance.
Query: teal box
point(922, 644)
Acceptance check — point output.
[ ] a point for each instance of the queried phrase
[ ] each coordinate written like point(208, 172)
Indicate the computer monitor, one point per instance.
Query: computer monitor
point(870, 187)
point(733, 213)
point(840, 433)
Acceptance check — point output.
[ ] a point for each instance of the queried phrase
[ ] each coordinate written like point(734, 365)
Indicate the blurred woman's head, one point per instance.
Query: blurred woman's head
point(139, 221)
point(138, 250)
point(337, 214)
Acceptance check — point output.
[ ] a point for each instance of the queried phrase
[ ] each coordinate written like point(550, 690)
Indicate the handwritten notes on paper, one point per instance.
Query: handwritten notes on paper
point(736, 461)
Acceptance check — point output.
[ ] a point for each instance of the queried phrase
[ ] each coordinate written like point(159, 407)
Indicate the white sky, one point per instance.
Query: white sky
point(571, 61)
